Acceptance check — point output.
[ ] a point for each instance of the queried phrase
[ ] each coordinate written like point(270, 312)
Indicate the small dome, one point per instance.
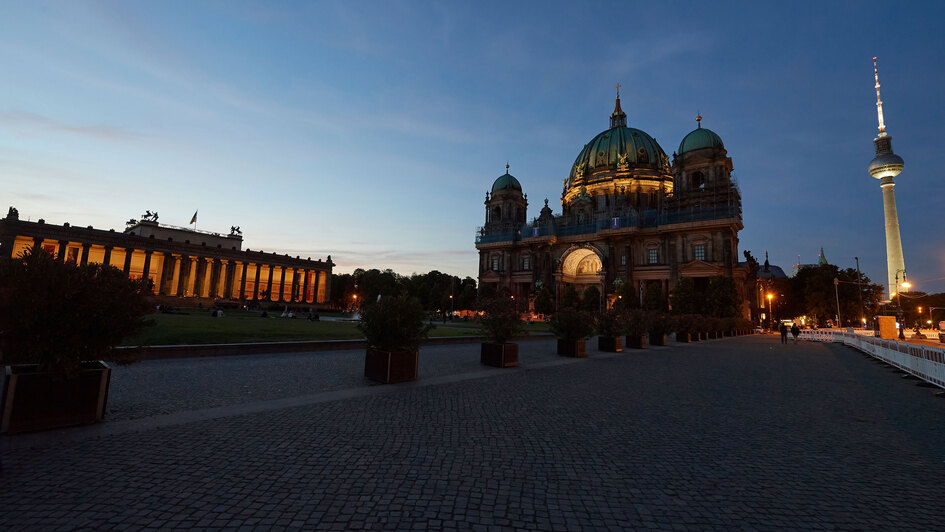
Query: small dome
point(700, 138)
point(506, 182)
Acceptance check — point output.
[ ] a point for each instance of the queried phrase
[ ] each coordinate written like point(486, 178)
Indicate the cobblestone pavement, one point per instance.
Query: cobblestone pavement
point(739, 433)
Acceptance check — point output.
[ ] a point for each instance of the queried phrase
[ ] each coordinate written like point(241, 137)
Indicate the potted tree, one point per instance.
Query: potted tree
point(59, 325)
point(610, 326)
point(659, 324)
point(394, 327)
point(686, 328)
point(572, 327)
point(500, 322)
point(636, 329)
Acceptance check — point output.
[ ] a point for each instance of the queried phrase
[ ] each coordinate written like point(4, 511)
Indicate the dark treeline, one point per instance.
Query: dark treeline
point(433, 289)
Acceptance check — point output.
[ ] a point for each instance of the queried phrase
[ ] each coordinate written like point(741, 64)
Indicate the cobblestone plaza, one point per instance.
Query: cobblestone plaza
point(737, 433)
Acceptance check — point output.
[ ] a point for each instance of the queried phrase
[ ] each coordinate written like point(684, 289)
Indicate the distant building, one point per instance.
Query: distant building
point(180, 262)
point(821, 261)
point(629, 215)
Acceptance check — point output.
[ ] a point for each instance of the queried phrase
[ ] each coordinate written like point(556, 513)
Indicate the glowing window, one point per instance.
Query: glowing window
point(698, 252)
point(652, 258)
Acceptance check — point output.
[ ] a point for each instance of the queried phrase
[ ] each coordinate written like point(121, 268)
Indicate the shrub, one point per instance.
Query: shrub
point(660, 323)
point(637, 322)
point(611, 323)
point(501, 320)
point(572, 325)
point(58, 314)
point(394, 324)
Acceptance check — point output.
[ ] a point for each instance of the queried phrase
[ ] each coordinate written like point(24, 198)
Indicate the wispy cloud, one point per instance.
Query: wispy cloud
point(22, 121)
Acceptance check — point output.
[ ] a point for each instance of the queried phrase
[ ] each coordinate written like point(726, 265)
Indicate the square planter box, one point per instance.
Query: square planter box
point(610, 344)
point(34, 400)
point(683, 337)
point(576, 349)
point(658, 339)
point(390, 366)
point(636, 342)
point(499, 355)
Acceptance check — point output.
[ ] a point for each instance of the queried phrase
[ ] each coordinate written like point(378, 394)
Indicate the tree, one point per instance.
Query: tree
point(569, 298)
point(721, 298)
point(544, 304)
point(591, 301)
point(683, 297)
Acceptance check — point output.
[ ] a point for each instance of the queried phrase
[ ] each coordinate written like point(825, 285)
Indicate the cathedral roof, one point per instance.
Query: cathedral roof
point(506, 182)
point(700, 138)
point(619, 148)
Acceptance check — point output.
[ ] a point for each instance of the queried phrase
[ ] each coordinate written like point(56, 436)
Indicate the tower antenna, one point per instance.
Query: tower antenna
point(879, 102)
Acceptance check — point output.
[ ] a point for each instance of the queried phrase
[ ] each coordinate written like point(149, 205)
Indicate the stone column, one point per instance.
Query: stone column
point(61, 255)
point(305, 285)
point(162, 275)
point(199, 273)
point(107, 259)
point(146, 269)
point(256, 283)
point(269, 284)
point(214, 278)
point(85, 254)
point(243, 266)
point(182, 274)
point(227, 279)
point(281, 284)
point(38, 242)
point(127, 267)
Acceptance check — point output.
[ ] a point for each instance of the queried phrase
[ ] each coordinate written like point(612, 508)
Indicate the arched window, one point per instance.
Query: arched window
point(697, 181)
point(496, 214)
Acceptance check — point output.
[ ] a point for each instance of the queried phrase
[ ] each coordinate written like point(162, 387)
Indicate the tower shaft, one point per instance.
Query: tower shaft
point(895, 264)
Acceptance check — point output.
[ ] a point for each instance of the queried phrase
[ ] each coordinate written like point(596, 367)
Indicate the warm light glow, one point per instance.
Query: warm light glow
point(354, 296)
point(864, 321)
point(920, 309)
point(769, 297)
point(906, 284)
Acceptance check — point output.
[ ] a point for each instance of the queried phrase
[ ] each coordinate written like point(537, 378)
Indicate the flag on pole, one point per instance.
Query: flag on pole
point(194, 219)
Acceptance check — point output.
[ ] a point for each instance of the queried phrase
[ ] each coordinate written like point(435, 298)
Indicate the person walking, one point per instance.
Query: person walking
point(783, 330)
point(795, 331)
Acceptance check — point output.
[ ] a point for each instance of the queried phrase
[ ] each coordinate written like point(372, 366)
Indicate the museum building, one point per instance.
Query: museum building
point(180, 262)
point(629, 215)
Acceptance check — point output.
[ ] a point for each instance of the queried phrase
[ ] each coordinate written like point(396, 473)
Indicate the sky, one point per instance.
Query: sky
point(371, 131)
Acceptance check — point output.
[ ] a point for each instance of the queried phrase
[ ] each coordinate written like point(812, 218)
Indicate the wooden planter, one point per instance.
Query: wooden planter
point(683, 337)
point(390, 366)
point(636, 341)
point(657, 339)
point(34, 400)
point(569, 348)
point(499, 355)
point(610, 344)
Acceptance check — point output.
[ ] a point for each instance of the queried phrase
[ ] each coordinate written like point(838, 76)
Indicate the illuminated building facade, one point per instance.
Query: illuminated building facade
point(629, 215)
point(180, 262)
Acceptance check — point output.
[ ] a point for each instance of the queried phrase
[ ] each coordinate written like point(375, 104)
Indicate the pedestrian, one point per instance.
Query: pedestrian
point(795, 331)
point(783, 330)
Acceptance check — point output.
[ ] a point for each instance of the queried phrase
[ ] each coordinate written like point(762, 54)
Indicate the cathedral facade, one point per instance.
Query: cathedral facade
point(629, 214)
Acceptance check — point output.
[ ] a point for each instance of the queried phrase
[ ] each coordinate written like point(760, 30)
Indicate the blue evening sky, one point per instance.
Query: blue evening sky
point(371, 130)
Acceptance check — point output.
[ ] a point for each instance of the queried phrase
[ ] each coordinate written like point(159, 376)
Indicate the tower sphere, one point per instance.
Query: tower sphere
point(886, 165)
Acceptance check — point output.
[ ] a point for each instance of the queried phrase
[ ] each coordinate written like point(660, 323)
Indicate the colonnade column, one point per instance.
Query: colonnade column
point(256, 283)
point(214, 278)
point(269, 284)
point(85, 254)
point(37, 243)
point(182, 273)
point(228, 278)
point(146, 269)
point(107, 259)
point(243, 280)
point(61, 255)
point(305, 285)
point(282, 284)
point(127, 267)
point(162, 275)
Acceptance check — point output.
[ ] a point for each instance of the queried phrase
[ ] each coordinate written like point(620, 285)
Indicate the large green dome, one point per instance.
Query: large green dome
point(619, 148)
point(700, 138)
point(506, 182)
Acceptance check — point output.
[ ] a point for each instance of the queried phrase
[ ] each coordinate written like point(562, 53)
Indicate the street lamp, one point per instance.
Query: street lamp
point(771, 311)
point(836, 293)
point(900, 316)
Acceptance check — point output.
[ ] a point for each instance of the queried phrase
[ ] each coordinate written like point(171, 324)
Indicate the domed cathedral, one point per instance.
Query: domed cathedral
point(628, 215)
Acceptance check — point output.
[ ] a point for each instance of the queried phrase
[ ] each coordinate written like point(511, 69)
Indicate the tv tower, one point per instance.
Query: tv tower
point(885, 166)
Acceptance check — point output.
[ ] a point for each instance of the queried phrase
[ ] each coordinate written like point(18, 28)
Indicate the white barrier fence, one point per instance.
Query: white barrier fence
point(925, 362)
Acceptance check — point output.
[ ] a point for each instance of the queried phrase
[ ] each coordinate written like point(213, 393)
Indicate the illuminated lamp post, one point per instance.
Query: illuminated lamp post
point(836, 293)
point(770, 311)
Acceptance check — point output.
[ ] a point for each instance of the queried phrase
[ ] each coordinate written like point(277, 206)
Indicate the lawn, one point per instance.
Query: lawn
point(198, 327)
